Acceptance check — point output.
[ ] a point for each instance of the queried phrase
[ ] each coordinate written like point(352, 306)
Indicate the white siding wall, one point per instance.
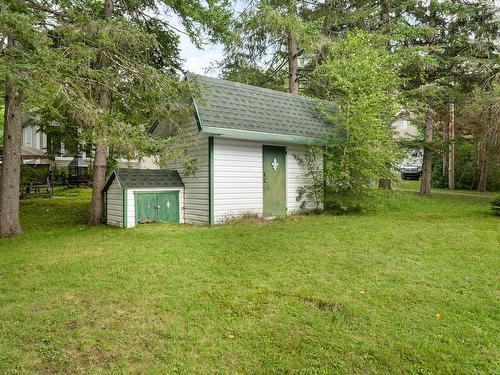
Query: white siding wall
point(33, 138)
point(238, 185)
point(131, 203)
point(114, 210)
point(296, 178)
point(149, 162)
point(196, 187)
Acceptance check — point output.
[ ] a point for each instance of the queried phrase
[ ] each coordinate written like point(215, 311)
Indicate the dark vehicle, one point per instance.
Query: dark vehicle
point(411, 168)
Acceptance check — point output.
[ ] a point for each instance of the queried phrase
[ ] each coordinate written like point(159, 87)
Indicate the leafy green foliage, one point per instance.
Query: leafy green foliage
point(258, 53)
point(60, 176)
point(2, 114)
point(358, 75)
point(31, 176)
point(29, 62)
point(495, 206)
point(312, 163)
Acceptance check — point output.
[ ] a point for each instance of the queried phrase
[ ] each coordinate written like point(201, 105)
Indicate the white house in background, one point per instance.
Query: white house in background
point(403, 128)
point(247, 140)
point(34, 138)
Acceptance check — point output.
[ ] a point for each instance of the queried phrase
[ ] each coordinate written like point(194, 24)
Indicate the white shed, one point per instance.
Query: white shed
point(133, 196)
point(247, 140)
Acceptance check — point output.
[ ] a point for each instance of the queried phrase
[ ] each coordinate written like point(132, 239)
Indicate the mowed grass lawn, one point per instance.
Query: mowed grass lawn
point(412, 288)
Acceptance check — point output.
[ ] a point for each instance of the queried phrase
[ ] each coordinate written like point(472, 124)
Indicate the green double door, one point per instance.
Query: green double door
point(157, 206)
point(274, 168)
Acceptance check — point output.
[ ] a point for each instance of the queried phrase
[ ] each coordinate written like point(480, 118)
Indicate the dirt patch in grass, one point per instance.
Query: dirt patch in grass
point(322, 304)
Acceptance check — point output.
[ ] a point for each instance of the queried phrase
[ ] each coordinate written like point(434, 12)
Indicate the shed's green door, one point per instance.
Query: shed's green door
point(168, 206)
point(274, 167)
point(157, 206)
point(145, 207)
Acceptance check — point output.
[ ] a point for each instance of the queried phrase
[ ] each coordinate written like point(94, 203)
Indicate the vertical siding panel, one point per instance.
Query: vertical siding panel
point(196, 187)
point(114, 208)
point(296, 178)
point(238, 185)
point(237, 178)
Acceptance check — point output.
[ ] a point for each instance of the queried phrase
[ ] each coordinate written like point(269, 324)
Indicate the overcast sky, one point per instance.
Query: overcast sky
point(195, 60)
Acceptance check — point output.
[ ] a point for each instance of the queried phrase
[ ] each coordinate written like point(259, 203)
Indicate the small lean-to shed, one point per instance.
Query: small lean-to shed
point(134, 196)
point(247, 141)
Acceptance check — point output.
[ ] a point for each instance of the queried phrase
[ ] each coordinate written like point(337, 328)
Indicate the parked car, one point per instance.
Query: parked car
point(411, 168)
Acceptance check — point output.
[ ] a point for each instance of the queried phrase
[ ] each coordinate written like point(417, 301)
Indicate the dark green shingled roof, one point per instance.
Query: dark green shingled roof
point(231, 108)
point(130, 178)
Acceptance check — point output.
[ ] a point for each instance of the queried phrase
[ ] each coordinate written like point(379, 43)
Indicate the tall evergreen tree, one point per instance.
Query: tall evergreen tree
point(120, 27)
point(26, 74)
point(113, 74)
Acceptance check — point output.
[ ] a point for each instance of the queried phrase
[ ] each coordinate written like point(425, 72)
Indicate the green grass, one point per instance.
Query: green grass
point(415, 185)
point(412, 288)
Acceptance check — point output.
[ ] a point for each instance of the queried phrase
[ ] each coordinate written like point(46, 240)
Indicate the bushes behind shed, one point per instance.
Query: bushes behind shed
point(495, 206)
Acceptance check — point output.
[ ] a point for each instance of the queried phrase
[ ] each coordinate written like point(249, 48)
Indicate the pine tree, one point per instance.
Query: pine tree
point(26, 74)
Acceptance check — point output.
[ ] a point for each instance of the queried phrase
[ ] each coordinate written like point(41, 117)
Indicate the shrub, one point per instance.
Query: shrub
point(60, 176)
point(495, 206)
point(30, 175)
point(358, 74)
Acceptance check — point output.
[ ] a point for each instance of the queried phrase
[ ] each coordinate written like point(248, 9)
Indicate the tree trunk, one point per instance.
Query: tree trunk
point(384, 16)
point(101, 149)
point(451, 147)
point(11, 163)
point(384, 19)
point(327, 18)
point(444, 169)
point(98, 181)
point(485, 153)
point(425, 186)
point(385, 183)
point(477, 162)
point(293, 66)
point(483, 174)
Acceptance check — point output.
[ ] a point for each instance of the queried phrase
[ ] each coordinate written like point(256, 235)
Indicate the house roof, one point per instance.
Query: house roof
point(29, 153)
point(236, 109)
point(133, 178)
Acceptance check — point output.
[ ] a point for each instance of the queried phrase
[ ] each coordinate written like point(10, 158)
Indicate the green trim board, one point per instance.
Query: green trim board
point(263, 136)
point(210, 180)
